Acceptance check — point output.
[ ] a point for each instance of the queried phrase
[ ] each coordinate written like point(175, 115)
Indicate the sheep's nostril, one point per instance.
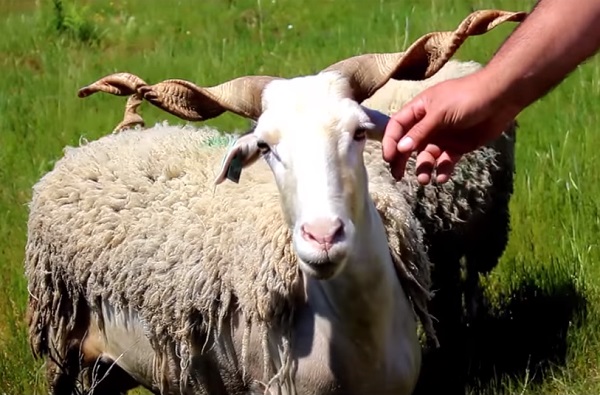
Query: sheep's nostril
point(323, 231)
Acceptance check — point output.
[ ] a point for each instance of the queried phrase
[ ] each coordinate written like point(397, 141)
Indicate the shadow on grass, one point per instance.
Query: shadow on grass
point(519, 339)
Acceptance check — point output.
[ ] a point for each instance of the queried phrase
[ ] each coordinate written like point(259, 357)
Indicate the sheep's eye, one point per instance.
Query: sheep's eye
point(360, 134)
point(262, 146)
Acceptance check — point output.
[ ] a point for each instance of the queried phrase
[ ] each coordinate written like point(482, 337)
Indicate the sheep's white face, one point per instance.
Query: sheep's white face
point(312, 135)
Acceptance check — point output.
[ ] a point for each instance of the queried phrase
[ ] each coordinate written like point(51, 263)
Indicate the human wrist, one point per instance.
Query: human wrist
point(541, 52)
point(503, 89)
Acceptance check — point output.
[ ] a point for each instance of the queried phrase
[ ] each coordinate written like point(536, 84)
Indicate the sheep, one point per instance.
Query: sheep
point(468, 216)
point(306, 276)
point(149, 171)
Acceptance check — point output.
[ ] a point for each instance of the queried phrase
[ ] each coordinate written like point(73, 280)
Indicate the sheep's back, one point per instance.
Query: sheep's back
point(134, 218)
point(390, 98)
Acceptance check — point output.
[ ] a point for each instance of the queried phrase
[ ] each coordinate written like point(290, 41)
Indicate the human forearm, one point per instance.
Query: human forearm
point(557, 36)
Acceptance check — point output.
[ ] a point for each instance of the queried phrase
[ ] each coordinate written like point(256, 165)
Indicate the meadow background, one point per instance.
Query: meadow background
point(540, 334)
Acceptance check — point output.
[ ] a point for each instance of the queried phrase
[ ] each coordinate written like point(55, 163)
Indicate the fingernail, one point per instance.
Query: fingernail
point(406, 144)
point(423, 178)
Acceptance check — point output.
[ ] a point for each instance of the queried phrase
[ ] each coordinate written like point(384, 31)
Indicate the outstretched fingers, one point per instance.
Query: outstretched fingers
point(399, 124)
point(433, 158)
point(407, 131)
point(426, 161)
point(445, 166)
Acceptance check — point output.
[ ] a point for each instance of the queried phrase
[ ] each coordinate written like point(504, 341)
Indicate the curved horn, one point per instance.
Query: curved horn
point(422, 59)
point(186, 100)
point(119, 84)
point(131, 118)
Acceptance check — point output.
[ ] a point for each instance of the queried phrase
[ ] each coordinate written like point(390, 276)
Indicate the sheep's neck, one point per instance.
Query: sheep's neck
point(365, 302)
point(358, 322)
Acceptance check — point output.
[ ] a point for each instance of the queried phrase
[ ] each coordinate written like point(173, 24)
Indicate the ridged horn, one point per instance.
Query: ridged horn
point(369, 72)
point(186, 100)
point(119, 84)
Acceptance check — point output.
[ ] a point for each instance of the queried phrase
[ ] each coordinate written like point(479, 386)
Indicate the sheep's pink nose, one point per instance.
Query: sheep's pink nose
point(323, 231)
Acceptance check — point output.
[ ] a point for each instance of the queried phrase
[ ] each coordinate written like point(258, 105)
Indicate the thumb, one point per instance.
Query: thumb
point(400, 122)
point(419, 135)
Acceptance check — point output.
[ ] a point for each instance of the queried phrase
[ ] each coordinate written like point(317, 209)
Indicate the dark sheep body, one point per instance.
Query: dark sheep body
point(467, 217)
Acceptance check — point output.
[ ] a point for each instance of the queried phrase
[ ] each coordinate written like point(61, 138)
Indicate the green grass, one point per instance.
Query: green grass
point(540, 334)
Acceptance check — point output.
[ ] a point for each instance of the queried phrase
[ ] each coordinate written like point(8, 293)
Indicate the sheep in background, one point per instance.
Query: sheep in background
point(133, 259)
point(467, 217)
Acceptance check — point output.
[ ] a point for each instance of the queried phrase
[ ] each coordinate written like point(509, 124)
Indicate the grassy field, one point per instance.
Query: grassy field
point(541, 333)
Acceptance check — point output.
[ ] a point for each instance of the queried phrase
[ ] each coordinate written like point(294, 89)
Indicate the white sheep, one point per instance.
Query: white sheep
point(293, 286)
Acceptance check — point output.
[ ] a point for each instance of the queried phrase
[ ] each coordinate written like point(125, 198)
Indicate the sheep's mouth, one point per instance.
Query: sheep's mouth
point(321, 263)
point(322, 269)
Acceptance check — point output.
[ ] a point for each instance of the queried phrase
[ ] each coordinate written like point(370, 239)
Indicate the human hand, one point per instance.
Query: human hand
point(443, 123)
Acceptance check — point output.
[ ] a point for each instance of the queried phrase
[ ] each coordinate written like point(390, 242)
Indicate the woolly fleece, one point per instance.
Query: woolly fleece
point(133, 218)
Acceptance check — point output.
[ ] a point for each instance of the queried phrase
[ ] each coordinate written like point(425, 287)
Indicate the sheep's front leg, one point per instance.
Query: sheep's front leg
point(107, 378)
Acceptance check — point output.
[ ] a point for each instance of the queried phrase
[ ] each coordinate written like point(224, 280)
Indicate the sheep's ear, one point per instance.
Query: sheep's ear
point(242, 152)
point(380, 120)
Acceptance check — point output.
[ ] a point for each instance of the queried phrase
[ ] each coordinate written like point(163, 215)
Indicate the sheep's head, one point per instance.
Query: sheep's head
point(311, 133)
point(310, 130)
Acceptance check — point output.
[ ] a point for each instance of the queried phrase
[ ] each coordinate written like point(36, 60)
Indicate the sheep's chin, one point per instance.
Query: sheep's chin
point(322, 270)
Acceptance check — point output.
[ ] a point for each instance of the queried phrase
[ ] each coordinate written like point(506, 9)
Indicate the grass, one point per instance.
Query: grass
point(539, 335)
